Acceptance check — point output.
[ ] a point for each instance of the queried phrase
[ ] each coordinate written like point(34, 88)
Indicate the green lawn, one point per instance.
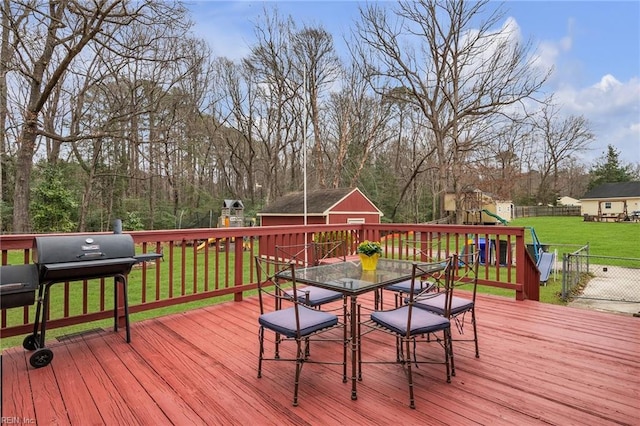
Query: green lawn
point(616, 239)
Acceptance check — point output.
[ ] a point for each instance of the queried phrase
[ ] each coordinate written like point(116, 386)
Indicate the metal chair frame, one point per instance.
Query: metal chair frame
point(411, 326)
point(465, 272)
point(420, 251)
point(291, 320)
point(299, 255)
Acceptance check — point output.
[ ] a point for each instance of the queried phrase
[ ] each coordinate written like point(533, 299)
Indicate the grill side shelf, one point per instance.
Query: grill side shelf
point(70, 271)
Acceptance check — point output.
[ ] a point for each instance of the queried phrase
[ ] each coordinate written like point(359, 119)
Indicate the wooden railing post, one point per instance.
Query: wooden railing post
point(521, 272)
point(238, 264)
point(526, 273)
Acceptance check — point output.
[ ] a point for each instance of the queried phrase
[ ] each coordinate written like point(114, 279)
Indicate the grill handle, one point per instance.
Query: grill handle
point(6, 288)
point(91, 255)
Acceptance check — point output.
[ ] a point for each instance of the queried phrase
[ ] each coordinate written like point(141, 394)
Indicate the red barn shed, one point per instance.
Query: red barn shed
point(324, 206)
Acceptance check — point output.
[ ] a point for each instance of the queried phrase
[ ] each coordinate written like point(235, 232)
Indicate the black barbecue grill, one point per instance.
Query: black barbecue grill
point(18, 285)
point(58, 259)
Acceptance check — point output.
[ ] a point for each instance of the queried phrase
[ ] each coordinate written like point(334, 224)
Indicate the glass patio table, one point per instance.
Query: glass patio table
point(349, 279)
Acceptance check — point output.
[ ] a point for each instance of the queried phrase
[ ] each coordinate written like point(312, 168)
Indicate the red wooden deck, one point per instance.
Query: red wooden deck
point(540, 364)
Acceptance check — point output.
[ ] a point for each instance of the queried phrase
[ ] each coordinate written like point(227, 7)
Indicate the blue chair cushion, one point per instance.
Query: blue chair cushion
point(405, 286)
point(436, 304)
point(422, 321)
point(283, 321)
point(317, 296)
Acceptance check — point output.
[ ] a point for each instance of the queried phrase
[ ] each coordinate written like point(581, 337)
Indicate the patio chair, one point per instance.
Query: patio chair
point(465, 269)
point(419, 251)
point(291, 320)
point(411, 326)
point(311, 255)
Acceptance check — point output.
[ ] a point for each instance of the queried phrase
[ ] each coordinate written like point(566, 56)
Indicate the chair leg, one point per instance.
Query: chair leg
point(359, 341)
point(396, 298)
point(299, 361)
point(276, 354)
point(345, 337)
point(475, 331)
point(261, 353)
point(399, 349)
point(448, 352)
point(307, 350)
point(412, 402)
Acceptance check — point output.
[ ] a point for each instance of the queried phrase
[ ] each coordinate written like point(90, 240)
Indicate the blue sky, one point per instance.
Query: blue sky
point(594, 47)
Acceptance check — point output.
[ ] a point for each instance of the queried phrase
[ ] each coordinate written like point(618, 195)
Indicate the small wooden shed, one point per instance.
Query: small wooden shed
point(324, 206)
point(480, 208)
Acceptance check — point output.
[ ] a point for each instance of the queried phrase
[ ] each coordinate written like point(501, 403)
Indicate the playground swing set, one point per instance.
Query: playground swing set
point(231, 216)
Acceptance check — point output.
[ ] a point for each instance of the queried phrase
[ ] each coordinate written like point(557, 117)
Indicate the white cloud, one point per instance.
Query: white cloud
point(613, 110)
point(566, 43)
point(607, 83)
point(546, 55)
point(612, 107)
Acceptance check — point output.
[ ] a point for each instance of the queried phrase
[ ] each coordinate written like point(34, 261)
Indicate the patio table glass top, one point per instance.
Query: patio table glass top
point(349, 278)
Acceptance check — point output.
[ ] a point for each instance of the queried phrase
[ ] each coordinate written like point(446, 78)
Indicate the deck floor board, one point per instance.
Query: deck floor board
point(539, 364)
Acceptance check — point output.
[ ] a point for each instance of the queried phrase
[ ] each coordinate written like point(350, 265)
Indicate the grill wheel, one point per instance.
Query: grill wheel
point(41, 358)
point(31, 342)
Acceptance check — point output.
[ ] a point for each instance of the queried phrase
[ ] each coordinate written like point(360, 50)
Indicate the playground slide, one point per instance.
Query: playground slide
point(545, 264)
point(503, 221)
point(209, 241)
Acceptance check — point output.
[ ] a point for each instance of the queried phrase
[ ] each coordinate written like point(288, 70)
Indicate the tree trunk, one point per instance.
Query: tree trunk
point(24, 165)
point(4, 60)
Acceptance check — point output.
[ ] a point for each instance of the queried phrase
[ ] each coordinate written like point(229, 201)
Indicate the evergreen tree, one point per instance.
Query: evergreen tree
point(53, 203)
point(608, 169)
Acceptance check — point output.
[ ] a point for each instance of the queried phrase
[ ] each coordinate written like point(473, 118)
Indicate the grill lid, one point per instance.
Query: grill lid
point(81, 248)
point(83, 257)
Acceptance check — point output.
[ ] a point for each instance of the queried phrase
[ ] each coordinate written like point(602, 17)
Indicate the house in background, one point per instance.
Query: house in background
point(611, 202)
point(324, 206)
point(567, 201)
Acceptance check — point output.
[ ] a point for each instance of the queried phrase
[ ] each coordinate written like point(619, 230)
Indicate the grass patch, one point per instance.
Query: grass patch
point(218, 277)
point(616, 239)
point(567, 233)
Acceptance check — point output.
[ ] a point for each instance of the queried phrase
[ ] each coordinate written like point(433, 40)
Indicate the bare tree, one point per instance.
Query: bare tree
point(499, 164)
point(279, 107)
point(318, 67)
point(233, 106)
point(49, 38)
point(5, 55)
point(557, 140)
point(454, 66)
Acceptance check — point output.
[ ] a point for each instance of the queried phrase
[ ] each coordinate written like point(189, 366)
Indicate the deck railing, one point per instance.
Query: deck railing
point(218, 262)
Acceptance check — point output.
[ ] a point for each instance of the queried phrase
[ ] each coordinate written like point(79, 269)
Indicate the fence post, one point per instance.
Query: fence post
point(565, 265)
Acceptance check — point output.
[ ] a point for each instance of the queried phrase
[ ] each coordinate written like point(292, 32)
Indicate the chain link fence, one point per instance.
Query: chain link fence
point(575, 271)
point(606, 278)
